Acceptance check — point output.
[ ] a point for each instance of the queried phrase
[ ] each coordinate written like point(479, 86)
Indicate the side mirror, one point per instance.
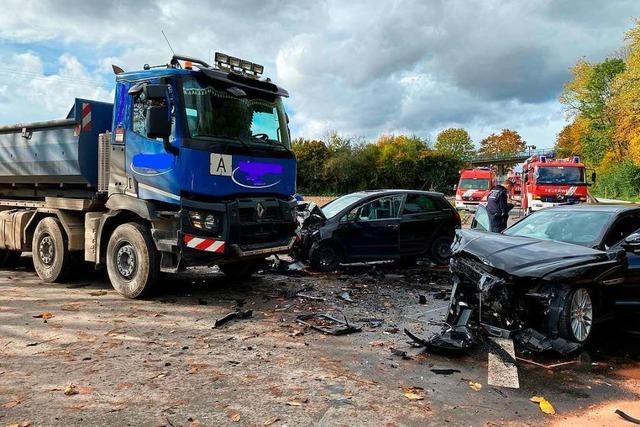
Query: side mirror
point(156, 92)
point(631, 243)
point(593, 177)
point(158, 122)
point(455, 187)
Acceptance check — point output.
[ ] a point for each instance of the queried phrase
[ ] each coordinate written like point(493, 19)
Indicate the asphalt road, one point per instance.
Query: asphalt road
point(79, 354)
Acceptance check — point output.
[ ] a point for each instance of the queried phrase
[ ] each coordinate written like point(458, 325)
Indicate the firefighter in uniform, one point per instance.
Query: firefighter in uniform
point(498, 206)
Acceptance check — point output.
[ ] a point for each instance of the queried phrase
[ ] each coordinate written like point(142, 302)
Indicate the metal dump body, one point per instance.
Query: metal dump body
point(59, 152)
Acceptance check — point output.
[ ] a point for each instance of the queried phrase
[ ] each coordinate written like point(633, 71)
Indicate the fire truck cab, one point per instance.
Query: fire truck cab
point(473, 187)
point(548, 182)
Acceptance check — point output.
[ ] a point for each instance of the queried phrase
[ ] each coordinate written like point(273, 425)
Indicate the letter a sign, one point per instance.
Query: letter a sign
point(220, 164)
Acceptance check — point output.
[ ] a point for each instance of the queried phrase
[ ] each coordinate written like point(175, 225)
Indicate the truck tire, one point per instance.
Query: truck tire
point(133, 262)
point(9, 259)
point(240, 270)
point(51, 257)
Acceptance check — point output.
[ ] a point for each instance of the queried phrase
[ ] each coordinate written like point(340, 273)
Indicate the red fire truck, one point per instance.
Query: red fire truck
point(516, 190)
point(473, 187)
point(549, 182)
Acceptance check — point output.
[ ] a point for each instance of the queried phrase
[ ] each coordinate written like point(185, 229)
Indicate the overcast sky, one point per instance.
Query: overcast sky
point(361, 68)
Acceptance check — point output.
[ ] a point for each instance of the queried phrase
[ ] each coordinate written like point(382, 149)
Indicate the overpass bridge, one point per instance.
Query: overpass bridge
point(504, 161)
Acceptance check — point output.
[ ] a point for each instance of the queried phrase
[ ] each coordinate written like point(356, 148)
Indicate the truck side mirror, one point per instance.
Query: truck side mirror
point(593, 177)
point(156, 92)
point(157, 121)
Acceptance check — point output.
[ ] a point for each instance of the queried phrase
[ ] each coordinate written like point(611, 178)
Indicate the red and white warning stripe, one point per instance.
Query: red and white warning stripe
point(86, 116)
point(208, 245)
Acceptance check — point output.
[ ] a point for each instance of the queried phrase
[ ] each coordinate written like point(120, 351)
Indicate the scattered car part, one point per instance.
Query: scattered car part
point(627, 417)
point(445, 371)
point(239, 314)
point(327, 324)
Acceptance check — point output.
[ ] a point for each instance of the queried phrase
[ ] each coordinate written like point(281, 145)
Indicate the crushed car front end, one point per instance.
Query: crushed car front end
point(516, 288)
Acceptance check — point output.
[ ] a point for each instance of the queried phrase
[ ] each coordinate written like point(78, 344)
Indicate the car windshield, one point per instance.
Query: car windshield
point(216, 112)
point(474, 184)
point(570, 226)
point(559, 175)
point(334, 207)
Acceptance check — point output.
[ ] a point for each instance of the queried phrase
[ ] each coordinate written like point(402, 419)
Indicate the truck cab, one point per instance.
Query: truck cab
point(190, 166)
point(548, 182)
point(473, 187)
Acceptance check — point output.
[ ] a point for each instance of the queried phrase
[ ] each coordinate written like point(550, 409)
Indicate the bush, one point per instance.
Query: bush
point(618, 180)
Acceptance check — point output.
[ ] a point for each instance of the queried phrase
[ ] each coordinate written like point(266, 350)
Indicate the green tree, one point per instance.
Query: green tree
point(455, 141)
point(311, 155)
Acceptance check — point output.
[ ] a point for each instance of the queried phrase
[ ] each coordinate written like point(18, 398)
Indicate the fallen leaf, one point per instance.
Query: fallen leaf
point(21, 424)
point(44, 316)
point(271, 420)
point(475, 386)
point(377, 343)
point(70, 390)
point(234, 416)
point(297, 402)
point(97, 293)
point(413, 393)
point(544, 405)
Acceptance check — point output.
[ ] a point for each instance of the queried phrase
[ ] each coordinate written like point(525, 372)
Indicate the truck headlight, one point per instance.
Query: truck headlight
point(209, 222)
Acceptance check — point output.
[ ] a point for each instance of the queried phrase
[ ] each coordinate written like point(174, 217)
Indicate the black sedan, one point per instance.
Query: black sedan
point(547, 279)
point(380, 225)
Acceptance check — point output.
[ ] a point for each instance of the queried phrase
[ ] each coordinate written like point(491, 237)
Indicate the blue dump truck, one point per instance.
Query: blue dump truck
point(190, 166)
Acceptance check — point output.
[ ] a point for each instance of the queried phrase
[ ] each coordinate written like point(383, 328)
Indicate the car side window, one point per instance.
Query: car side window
point(622, 228)
point(387, 207)
point(418, 203)
point(140, 105)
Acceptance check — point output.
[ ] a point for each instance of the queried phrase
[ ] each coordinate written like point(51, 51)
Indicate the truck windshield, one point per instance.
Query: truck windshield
point(560, 175)
point(474, 184)
point(215, 113)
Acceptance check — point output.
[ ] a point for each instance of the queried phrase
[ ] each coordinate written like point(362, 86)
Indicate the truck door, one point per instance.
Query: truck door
point(151, 161)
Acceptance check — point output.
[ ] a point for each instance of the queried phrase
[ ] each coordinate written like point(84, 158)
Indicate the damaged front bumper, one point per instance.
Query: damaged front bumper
point(485, 304)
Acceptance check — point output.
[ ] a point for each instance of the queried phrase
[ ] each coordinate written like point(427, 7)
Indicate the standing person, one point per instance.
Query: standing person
point(498, 206)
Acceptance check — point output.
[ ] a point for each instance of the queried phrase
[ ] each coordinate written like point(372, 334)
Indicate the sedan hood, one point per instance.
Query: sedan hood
point(523, 256)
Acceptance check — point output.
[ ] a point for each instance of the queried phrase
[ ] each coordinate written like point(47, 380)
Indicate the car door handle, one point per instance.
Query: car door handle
point(392, 226)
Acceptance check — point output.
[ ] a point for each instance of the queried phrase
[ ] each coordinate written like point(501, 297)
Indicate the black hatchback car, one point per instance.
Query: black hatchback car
point(546, 280)
point(381, 225)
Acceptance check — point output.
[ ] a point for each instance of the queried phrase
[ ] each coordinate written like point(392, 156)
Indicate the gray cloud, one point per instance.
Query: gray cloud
point(360, 67)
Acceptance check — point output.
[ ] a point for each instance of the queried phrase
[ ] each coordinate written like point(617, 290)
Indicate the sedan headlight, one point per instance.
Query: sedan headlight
point(209, 222)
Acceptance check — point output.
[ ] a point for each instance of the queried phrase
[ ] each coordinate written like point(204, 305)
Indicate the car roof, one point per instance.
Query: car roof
point(396, 191)
point(599, 207)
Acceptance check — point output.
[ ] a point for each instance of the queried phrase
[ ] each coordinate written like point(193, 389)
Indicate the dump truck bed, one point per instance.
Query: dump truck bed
point(55, 153)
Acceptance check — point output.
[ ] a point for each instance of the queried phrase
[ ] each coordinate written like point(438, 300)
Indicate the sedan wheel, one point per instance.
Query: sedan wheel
point(325, 257)
point(576, 318)
point(581, 317)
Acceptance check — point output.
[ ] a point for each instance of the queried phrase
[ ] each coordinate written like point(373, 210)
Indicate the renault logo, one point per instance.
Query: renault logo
point(259, 210)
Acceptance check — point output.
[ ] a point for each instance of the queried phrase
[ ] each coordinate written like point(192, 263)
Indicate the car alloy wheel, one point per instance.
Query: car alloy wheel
point(581, 315)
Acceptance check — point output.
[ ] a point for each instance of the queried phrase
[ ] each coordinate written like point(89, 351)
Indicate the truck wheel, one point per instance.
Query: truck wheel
point(240, 270)
point(441, 250)
point(51, 257)
point(325, 257)
point(133, 263)
point(9, 259)
point(576, 318)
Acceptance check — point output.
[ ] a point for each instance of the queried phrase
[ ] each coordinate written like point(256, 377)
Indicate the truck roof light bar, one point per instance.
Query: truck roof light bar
point(232, 63)
point(185, 58)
